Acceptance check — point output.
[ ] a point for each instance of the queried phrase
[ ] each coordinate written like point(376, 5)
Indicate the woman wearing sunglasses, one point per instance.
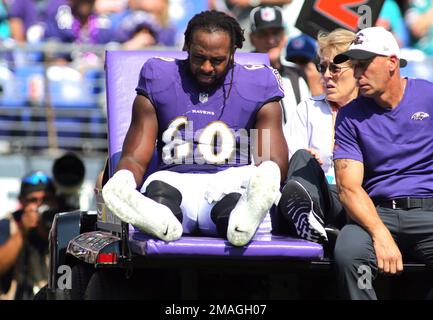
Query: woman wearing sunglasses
point(310, 201)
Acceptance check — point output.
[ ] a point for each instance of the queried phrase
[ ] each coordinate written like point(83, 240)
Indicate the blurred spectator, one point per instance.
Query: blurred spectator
point(301, 51)
point(27, 22)
point(110, 6)
point(78, 22)
point(391, 19)
point(24, 238)
point(267, 32)
point(27, 18)
point(159, 10)
point(137, 30)
point(155, 7)
point(5, 31)
point(115, 10)
point(268, 36)
point(419, 18)
point(241, 10)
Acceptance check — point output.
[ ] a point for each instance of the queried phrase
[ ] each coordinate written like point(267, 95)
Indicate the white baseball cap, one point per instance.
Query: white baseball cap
point(370, 42)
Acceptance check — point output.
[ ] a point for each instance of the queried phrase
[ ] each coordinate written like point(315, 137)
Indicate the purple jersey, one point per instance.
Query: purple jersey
point(395, 145)
point(205, 130)
point(32, 12)
point(65, 27)
point(25, 10)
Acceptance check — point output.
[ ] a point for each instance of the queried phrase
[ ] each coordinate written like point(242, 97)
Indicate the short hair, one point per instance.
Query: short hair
point(337, 41)
point(212, 21)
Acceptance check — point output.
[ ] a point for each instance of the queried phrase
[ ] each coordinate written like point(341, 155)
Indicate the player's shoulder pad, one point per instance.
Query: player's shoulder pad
point(160, 72)
point(155, 67)
point(259, 82)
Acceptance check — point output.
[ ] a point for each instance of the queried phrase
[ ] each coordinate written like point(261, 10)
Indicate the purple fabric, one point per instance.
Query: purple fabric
point(167, 36)
point(396, 146)
point(65, 27)
point(123, 68)
point(250, 89)
point(261, 246)
point(129, 22)
point(32, 12)
point(134, 21)
point(25, 10)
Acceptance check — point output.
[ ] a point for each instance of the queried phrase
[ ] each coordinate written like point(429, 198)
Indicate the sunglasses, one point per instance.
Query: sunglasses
point(361, 64)
point(333, 68)
point(36, 178)
point(43, 199)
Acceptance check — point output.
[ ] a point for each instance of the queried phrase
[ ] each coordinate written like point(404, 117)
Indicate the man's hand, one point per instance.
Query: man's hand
point(275, 53)
point(314, 79)
point(29, 219)
point(389, 259)
point(360, 208)
point(316, 154)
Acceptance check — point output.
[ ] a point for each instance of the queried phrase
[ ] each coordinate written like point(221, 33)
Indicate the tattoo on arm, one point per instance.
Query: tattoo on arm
point(341, 164)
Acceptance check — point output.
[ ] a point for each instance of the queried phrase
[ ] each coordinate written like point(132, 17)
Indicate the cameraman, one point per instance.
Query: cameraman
point(24, 238)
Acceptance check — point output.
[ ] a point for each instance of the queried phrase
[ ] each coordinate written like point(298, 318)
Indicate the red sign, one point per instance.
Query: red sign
point(328, 15)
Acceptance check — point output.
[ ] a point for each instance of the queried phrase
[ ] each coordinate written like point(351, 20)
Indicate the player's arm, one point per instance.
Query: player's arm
point(269, 118)
point(140, 139)
point(349, 175)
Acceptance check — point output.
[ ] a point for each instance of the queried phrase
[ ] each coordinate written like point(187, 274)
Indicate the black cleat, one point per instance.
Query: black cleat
point(296, 206)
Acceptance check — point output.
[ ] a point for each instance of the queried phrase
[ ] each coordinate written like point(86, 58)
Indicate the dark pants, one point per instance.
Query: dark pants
point(355, 257)
point(306, 170)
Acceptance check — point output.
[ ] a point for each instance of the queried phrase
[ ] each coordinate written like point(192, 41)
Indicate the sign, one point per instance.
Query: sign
point(327, 15)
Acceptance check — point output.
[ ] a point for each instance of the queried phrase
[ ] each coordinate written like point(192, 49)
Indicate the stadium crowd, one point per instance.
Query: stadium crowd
point(139, 24)
point(136, 24)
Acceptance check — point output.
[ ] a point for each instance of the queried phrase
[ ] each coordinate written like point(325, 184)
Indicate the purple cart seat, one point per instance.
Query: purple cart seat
point(122, 70)
point(262, 245)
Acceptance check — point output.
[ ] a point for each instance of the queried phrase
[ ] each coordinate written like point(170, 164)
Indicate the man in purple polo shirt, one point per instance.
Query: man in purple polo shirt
point(202, 112)
point(383, 159)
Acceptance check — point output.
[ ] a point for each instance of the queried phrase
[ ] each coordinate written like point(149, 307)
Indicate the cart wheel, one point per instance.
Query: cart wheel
point(81, 274)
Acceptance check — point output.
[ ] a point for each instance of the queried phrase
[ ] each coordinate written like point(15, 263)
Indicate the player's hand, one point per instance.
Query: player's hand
point(389, 259)
point(316, 154)
point(122, 181)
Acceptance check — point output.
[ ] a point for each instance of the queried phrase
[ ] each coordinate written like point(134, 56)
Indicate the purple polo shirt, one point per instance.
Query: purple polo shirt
point(395, 145)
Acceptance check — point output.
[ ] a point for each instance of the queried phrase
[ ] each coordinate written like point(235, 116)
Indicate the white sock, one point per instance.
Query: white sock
point(251, 209)
point(132, 207)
